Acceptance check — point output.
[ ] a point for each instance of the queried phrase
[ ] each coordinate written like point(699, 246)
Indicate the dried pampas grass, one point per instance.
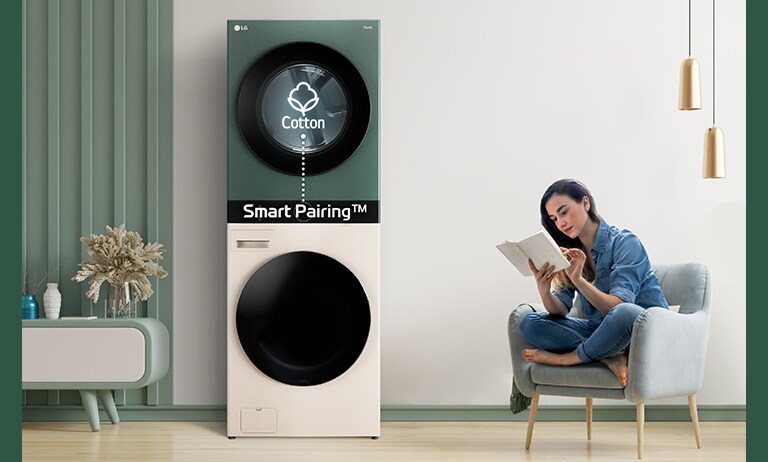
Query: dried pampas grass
point(120, 257)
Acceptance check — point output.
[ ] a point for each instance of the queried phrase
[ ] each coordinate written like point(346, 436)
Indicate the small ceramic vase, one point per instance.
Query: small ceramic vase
point(52, 301)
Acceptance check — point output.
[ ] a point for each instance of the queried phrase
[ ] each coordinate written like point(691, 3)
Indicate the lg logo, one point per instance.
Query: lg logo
point(238, 28)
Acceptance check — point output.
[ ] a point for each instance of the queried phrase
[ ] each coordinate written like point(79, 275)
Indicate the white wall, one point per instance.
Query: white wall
point(483, 105)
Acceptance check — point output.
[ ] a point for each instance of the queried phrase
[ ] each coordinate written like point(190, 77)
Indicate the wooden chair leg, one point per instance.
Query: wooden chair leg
point(640, 424)
point(589, 419)
point(531, 420)
point(695, 419)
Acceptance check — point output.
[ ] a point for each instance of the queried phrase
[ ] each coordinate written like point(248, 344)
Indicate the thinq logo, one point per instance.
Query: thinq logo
point(303, 122)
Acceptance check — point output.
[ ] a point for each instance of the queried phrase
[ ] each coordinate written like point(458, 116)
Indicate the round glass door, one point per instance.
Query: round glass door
point(303, 105)
point(303, 318)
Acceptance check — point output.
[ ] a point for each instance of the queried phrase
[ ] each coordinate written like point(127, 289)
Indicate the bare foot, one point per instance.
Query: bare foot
point(546, 357)
point(618, 365)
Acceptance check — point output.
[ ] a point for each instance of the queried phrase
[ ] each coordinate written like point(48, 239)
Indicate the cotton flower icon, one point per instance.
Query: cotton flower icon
point(306, 107)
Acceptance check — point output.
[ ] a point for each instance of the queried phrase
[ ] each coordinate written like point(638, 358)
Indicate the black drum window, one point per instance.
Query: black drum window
point(303, 318)
point(303, 101)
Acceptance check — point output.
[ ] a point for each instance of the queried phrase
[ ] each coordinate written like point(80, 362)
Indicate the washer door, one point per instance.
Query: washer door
point(303, 318)
point(303, 107)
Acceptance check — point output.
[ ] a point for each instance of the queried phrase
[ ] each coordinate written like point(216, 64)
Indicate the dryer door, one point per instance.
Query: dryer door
point(303, 318)
point(303, 108)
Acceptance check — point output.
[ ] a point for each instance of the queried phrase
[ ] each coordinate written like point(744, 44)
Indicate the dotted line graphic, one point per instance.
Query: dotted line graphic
point(303, 173)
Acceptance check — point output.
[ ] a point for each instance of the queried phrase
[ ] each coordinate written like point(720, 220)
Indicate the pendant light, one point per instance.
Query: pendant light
point(690, 80)
point(714, 145)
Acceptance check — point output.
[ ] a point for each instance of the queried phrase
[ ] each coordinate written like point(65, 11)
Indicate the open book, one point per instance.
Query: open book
point(540, 248)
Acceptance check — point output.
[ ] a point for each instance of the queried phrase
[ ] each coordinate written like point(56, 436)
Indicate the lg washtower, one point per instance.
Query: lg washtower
point(303, 261)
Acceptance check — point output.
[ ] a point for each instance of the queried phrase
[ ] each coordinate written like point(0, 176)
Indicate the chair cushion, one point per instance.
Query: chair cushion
point(581, 392)
point(593, 375)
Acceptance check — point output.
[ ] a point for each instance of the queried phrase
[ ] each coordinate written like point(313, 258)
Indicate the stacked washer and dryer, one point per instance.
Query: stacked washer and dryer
point(303, 228)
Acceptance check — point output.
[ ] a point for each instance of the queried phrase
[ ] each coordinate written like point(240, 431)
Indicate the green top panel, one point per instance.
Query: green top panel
point(251, 179)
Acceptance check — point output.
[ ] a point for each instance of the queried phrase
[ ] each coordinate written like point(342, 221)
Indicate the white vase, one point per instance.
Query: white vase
point(52, 301)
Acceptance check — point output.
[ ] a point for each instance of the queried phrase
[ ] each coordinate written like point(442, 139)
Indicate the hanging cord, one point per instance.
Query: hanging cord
point(689, 28)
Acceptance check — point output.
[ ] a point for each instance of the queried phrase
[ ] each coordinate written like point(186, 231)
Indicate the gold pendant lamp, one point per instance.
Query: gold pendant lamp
point(714, 144)
point(690, 78)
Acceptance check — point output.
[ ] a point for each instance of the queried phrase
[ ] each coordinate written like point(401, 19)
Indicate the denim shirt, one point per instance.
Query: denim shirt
point(622, 269)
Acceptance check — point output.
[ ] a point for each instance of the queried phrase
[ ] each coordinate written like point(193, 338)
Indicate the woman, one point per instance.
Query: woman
point(610, 271)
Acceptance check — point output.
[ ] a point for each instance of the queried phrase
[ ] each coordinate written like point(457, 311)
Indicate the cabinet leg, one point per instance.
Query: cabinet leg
point(109, 405)
point(88, 397)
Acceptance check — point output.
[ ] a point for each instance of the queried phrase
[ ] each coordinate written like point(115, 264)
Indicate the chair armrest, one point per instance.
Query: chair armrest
point(666, 354)
point(521, 369)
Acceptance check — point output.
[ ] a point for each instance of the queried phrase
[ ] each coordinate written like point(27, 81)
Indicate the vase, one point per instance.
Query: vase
point(29, 308)
point(121, 301)
point(52, 301)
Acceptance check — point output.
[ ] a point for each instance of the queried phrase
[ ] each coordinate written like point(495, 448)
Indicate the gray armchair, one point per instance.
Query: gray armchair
point(666, 354)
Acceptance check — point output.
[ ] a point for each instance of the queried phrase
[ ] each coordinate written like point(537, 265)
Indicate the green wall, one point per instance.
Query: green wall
point(97, 148)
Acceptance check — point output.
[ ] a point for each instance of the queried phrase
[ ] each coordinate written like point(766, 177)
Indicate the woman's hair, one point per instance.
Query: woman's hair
point(576, 190)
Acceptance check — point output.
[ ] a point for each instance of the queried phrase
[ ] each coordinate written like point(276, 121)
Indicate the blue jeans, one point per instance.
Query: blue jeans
point(593, 339)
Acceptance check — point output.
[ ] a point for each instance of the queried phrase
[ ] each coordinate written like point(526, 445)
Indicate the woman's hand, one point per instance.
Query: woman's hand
point(544, 283)
point(577, 259)
point(543, 276)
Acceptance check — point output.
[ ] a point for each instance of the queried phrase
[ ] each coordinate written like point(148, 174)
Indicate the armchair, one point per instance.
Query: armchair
point(666, 354)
